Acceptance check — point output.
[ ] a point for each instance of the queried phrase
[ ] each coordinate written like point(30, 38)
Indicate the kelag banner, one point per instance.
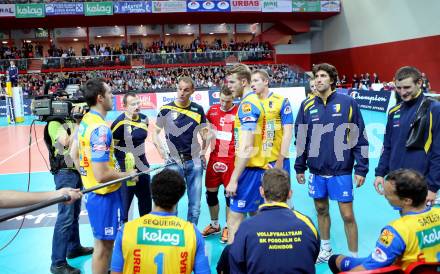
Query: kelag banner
point(214, 96)
point(98, 8)
point(132, 7)
point(64, 9)
point(29, 10)
point(371, 100)
point(208, 5)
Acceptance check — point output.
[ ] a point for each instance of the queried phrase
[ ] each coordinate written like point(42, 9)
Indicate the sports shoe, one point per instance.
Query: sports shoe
point(210, 230)
point(224, 237)
point(324, 255)
point(64, 269)
point(82, 251)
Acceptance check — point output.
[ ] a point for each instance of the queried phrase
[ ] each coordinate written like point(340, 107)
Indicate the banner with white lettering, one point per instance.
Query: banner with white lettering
point(246, 5)
point(132, 7)
point(371, 100)
point(7, 10)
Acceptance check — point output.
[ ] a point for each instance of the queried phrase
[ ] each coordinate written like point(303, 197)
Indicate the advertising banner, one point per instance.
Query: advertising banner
point(277, 6)
point(306, 5)
point(98, 8)
point(147, 100)
point(7, 10)
point(29, 10)
point(371, 100)
point(208, 6)
point(246, 5)
point(168, 6)
point(331, 6)
point(200, 97)
point(132, 7)
point(214, 96)
point(64, 9)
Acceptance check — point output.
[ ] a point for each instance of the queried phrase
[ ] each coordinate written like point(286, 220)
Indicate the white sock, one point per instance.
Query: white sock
point(214, 223)
point(354, 254)
point(325, 244)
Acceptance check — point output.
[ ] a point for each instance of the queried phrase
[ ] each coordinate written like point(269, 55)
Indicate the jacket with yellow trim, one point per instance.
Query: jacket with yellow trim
point(276, 240)
point(325, 137)
point(395, 155)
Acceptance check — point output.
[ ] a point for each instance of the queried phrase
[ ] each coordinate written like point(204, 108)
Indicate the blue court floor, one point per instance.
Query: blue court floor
point(31, 250)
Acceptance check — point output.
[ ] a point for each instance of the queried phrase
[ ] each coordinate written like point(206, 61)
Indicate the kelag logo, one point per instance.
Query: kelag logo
point(216, 95)
point(29, 10)
point(161, 237)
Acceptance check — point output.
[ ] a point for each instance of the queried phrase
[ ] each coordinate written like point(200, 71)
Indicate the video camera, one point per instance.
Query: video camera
point(48, 107)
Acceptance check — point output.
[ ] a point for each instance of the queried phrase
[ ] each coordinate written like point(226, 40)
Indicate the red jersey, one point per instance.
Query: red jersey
point(223, 123)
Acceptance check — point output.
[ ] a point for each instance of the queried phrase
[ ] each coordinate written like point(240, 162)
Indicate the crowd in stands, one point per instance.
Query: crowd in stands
point(156, 80)
point(365, 81)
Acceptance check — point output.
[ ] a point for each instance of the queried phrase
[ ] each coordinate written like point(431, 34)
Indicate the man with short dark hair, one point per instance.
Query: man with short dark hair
point(412, 135)
point(330, 137)
point(130, 129)
point(160, 242)
point(411, 238)
point(277, 239)
point(93, 156)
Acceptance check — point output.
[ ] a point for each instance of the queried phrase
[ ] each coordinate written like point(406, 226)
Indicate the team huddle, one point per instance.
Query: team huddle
point(250, 157)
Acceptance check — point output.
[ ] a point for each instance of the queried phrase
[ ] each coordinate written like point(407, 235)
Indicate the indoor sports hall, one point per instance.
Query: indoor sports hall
point(287, 38)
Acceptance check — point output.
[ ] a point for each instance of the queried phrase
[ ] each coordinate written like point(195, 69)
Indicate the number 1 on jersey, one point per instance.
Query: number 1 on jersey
point(158, 260)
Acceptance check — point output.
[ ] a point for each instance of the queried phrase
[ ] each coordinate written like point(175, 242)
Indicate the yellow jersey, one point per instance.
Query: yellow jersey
point(251, 116)
point(156, 243)
point(278, 113)
point(95, 145)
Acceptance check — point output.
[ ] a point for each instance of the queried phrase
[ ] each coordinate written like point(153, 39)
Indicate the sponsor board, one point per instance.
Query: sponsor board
point(168, 6)
point(132, 7)
point(276, 6)
point(208, 6)
point(7, 10)
point(245, 5)
point(64, 9)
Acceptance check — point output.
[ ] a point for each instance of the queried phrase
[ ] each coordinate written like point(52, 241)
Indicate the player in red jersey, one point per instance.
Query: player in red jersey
point(221, 161)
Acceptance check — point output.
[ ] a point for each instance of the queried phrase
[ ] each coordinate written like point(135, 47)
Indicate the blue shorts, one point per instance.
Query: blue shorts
point(105, 214)
point(248, 198)
point(286, 164)
point(337, 188)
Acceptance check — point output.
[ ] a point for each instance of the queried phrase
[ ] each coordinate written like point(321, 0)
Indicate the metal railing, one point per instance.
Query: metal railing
point(140, 60)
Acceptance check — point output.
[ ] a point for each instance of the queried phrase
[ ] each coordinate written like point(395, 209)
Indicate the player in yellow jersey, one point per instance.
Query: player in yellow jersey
point(414, 237)
point(92, 153)
point(279, 121)
point(250, 160)
point(160, 242)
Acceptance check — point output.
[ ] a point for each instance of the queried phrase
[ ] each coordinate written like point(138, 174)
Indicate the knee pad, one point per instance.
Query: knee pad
point(211, 198)
point(332, 264)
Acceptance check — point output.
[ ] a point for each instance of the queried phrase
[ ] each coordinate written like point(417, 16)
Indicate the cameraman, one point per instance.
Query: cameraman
point(58, 138)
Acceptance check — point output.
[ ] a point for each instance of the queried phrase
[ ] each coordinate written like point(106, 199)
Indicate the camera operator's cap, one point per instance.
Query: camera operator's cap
point(61, 93)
